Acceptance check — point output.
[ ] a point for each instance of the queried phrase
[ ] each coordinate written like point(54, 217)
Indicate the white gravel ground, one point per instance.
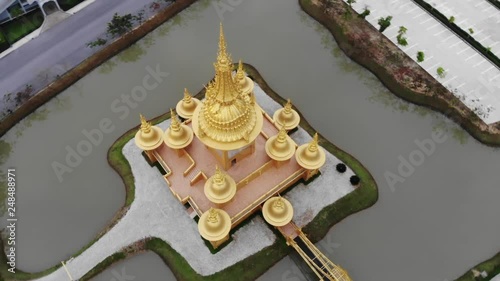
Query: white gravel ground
point(156, 213)
point(496, 278)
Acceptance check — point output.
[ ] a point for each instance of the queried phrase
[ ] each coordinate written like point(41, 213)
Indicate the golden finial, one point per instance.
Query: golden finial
point(145, 125)
point(282, 133)
point(288, 106)
point(218, 177)
point(222, 41)
point(313, 145)
point(187, 96)
point(278, 204)
point(174, 124)
point(240, 74)
point(212, 216)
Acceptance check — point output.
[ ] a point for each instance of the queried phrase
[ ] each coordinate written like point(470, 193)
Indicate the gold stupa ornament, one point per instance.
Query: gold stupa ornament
point(311, 156)
point(280, 147)
point(214, 225)
point(220, 188)
point(277, 211)
point(287, 115)
point(148, 137)
point(226, 119)
point(246, 84)
point(178, 135)
point(185, 107)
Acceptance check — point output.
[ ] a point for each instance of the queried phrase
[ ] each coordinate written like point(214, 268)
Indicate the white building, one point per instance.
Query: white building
point(11, 9)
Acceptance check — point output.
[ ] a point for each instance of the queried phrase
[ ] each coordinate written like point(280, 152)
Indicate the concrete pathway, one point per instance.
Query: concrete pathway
point(53, 19)
point(469, 76)
point(156, 213)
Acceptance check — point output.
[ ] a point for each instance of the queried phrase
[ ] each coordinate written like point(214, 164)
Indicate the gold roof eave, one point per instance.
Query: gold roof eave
point(226, 146)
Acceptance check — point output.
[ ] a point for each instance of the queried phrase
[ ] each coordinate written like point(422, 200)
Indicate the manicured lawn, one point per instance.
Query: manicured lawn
point(22, 26)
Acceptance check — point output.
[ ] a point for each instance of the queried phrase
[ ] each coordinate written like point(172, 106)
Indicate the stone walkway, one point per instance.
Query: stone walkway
point(156, 213)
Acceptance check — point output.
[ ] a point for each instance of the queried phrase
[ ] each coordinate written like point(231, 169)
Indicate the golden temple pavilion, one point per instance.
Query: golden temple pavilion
point(228, 159)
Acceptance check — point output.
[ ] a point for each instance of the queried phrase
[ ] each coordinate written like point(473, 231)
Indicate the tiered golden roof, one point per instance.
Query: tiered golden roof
point(185, 107)
point(226, 120)
point(310, 155)
point(287, 115)
point(280, 147)
point(214, 224)
point(220, 188)
point(178, 135)
point(277, 211)
point(148, 137)
point(246, 84)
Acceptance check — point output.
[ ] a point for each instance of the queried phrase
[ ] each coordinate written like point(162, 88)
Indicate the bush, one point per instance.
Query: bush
point(384, 23)
point(365, 13)
point(341, 168)
point(452, 19)
point(354, 180)
point(119, 25)
point(402, 40)
point(98, 42)
point(441, 72)
point(420, 56)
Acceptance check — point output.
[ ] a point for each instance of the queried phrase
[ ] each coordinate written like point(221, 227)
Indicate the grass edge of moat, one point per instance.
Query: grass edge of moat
point(363, 197)
point(466, 119)
point(444, 102)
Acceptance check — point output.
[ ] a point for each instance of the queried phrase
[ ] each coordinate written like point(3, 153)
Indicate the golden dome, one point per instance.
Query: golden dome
point(226, 119)
point(246, 84)
point(178, 135)
point(310, 155)
point(185, 107)
point(220, 188)
point(280, 147)
point(148, 137)
point(277, 211)
point(287, 115)
point(214, 224)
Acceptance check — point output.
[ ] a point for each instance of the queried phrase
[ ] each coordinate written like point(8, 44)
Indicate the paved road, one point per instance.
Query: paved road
point(61, 47)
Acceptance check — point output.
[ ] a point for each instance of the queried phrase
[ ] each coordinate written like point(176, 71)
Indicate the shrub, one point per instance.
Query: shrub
point(365, 13)
point(452, 19)
point(341, 168)
point(420, 56)
point(471, 31)
point(384, 23)
point(120, 24)
point(402, 40)
point(98, 42)
point(441, 72)
point(354, 180)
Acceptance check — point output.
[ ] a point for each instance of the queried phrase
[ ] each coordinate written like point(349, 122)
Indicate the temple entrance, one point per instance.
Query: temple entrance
point(50, 8)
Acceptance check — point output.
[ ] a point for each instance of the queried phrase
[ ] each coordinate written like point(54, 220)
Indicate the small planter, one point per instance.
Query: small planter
point(355, 180)
point(341, 168)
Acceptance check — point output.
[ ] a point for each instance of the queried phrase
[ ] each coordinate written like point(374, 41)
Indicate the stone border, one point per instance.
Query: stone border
point(89, 64)
point(344, 29)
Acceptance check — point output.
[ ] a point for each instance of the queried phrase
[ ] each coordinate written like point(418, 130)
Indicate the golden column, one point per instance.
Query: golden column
point(280, 147)
point(277, 211)
point(185, 107)
point(148, 138)
point(177, 136)
point(220, 188)
point(214, 225)
point(311, 157)
point(287, 115)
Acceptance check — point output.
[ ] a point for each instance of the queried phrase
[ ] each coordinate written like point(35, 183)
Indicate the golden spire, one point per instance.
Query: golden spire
point(280, 147)
point(287, 115)
point(145, 125)
point(282, 134)
point(240, 74)
point(220, 188)
point(277, 211)
point(178, 135)
point(214, 225)
point(148, 137)
point(227, 119)
point(310, 156)
point(186, 107)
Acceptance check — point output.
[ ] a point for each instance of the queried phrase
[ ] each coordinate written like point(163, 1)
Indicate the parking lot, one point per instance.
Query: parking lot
point(468, 73)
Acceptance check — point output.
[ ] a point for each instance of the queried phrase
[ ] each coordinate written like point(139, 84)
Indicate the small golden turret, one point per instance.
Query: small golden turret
point(220, 188)
point(148, 137)
point(245, 83)
point(185, 107)
point(287, 115)
point(280, 147)
point(214, 225)
point(311, 156)
point(277, 211)
point(178, 135)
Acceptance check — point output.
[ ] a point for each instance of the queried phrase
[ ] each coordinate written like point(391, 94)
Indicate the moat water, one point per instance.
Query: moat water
point(437, 219)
